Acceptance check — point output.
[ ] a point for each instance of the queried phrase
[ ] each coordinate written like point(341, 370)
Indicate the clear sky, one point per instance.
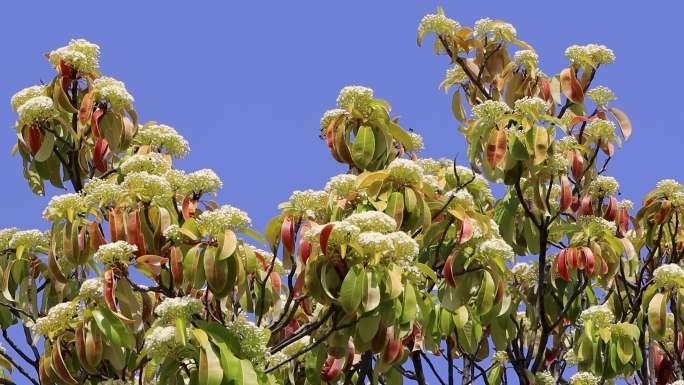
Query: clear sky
point(246, 82)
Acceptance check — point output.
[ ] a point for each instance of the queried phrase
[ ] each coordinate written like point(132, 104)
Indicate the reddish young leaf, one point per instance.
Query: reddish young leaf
point(325, 235)
point(304, 250)
point(447, 271)
point(585, 206)
point(109, 290)
point(93, 122)
point(566, 193)
point(34, 139)
point(332, 367)
point(546, 90)
point(86, 110)
point(574, 206)
point(99, 153)
point(59, 366)
point(623, 220)
point(188, 207)
point(570, 86)
point(176, 262)
point(466, 231)
point(135, 236)
point(577, 166)
point(496, 147)
point(588, 256)
point(287, 234)
point(571, 257)
point(611, 209)
point(562, 266)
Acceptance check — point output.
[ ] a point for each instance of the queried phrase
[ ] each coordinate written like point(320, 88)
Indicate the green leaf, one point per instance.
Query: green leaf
point(351, 292)
point(363, 147)
point(401, 136)
point(408, 311)
point(228, 245)
point(625, 349)
point(486, 293)
point(657, 318)
point(457, 107)
point(113, 328)
point(210, 372)
point(371, 297)
point(45, 148)
point(427, 271)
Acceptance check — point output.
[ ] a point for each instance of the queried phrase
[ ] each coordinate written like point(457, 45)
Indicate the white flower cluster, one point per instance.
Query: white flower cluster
point(152, 163)
point(404, 247)
point(342, 233)
point(600, 128)
point(160, 341)
point(626, 204)
point(494, 29)
point(526, 59)
point(491, 111)
point(328, 117)
point(590, 54)
point(430, 166)
point(558, 164)
point(530, 105)
point(405, 171)
point(146, 187)
point(667, 188)
point(455, 75)
point(29, 239)
point(438, 24)
point(525, 274)
point(603, 186)
point(115, 381)
point(113, 91)
point(91, 289)
point(567, 143)
point(584, 378)
point(252, 338)
point(596, 225)
point(57, 319)
point(200, 181)
point(80, 55)
point(461, 198)
point(177, 307)
point(341, 185)
point(374, 221)
point(500, 357)
point(545, 378)
point(478, 186)
point(600, 315)
point(678, 382)
point(26, 94)
point(669, 276)
point(497, 248)
point(161, 136)
point(307, 202)
point(6, 235)
point(104, 192)
point(35, 110)
point(355, 98)
point(601, 95)
point(64, 206)
point(215, 222)
point(416, 141)
point(119, 252)
point(173, 233)
point(374, 243)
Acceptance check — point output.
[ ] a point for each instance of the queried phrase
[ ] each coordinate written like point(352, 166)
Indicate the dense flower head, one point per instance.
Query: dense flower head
point(152, 163)
point(80, 55)
point(601, 95)
point(593, 225)
point(160, 341)
point(603, 186)
point(6, 235)
point(600, 315)
point(64, 206)
point(567, 143)
point(626, 204)
point(601, 54)
point(328, 117)
point(491, 110)
point(35, 110)
point(104, 192)
point(578, 54)
point(162, 137)
point(357, 98)
point(29, 239)
point(215, 222)
point(429, 166)
point(678, 382)
point(530, 105)
point(173, 233)
point(455, 75)
point(584, 378)
point(343, 232)
point(500, 356)
point(26, 94)
point(57, 319)
point(525, 274)
point(146, 187)
point(116, 381)
point(668, 187)
point(439, 24)
point(496, 29)
point(307, 202)
point(252, 338)
point(341, 185)
point(373, 221)
point(203, 181)
point(497, 248)
point(558, 164)
point(669, 276)
point(590, 54)
point(405, 171)
point(119, 252)
point(177, 307)
point(477, 184)
point(461, 198)
point(416, 142)
point(404, 246)
point(545, 378)
point(91, 288)
point(600, 128)
point(526, 58)
point(375, 243)
point(113, 91)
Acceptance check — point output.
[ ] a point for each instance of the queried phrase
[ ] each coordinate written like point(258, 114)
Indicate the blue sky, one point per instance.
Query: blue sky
point(247, 82)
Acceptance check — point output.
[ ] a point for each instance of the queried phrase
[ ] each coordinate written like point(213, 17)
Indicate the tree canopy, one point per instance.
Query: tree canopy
point(400, 269)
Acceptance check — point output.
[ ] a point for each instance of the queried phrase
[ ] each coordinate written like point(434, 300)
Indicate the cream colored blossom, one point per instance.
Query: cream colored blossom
point(6, 235)
point(584, 378)
point(119, 252)
point(80, 55)
point(375, 221)
point(92, 289)
point(36, 110)
point(251, 338)
point(530, 105)
point(355, 98)
point(526, 59)
point(497, 248)
point(112, 91)
point(26, 94)
point(494, 29)
point(603, 186)
point(600, 128)
point(405, 171)
point(416, 142)
point(341, 185)
point(668, 187)
point(669, 276)
point(601, 95)
point(438, 24)
point(57, 320)
point(328, 117)
point(214, 222)
point(600, 315)
point(104, 192)
point(64, 206)
point(404, 246)
point(545, 378)
point(160, 341)
point(203, 181)
point(28, 239)
point(491, 110)
point(596, 226)
point(162, 137)
point(177, 307)
point(307, 202)
point(146, 187)
point(374, 243)
point(152, 163)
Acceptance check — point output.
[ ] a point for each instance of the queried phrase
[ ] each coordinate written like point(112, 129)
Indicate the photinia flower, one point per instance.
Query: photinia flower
point(26, 94)
point(341, 185)
point(526, 59)
point(119, 252)
point(438, 24)
point(494, 29)
point(162, 137)
point(491, 111)
point(601, 95)
point(405, 171)
point(112, 91)
point(80, 55)
point(669, 276)
point(603, 186)
point(215, 222)
point(36, 110)
point(584, 378)
point(355, 98)
point(151, 163)
point(530, 105)
point(57, 320)
point(374, 221)
point(29, 239)
point(91, 289)
point(64, 206)
point(600, 315)
point(146, 187)
point(104, 192)
point(177, 307)
point(307, 202)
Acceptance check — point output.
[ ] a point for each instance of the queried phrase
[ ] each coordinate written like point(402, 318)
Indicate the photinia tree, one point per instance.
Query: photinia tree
point(402, 268)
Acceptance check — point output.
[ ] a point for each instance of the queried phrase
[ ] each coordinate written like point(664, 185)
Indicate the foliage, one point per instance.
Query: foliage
point(402, 258)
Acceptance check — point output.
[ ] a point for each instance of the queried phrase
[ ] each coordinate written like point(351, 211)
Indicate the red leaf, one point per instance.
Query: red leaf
point(304, 250)
point(96, 236)
point(611, 209)
point(577, 166)
point(571, 257)
point(86, 110)
point(188, 207)
point(34, 139)
point(135, 236)
point(287, 234)
point(93, 122)
point(588, 257)
point(570, 86)
point(325, 235)
point(99, 153)
point(562, 266)
point(331, 368)
point(574, 206)
point(566, 193)
point(276, 282)
point(176, 262)
point(585, 206)
point(623, 220)
point(546, 90)
point(496, 148)
point(466, 230)
point(448, 272)
point(109, 290)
